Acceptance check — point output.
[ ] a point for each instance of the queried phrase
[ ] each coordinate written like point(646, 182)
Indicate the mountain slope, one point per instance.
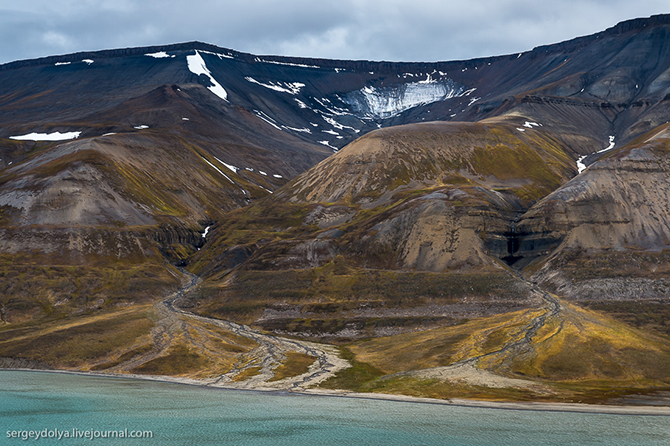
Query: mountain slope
point(465, 204)
point(431, 201)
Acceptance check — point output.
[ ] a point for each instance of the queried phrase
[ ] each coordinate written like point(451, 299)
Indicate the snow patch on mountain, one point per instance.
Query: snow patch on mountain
point(55, 136)
point(580, 165)
point(326, 143)
point(338, 125)
point(258, 59)
point(219, 55)
point(196, 65)
point(609, 147)
point(267, 119)
point(303, 130)
point(159, 55)
point(330, 108)
point(284, 87)
point(218, 170)
point(229, 166)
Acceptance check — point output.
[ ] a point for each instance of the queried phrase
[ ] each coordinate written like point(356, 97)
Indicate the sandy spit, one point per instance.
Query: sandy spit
point(539, 406)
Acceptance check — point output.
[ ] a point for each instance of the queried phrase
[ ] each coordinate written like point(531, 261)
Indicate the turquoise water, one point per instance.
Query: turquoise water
point(187, 415)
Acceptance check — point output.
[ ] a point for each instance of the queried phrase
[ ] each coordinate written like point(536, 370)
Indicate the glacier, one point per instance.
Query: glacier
point(385, 102)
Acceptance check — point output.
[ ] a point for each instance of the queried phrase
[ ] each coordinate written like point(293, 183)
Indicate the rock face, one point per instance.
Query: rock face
point(619, 202)
point(607, 232)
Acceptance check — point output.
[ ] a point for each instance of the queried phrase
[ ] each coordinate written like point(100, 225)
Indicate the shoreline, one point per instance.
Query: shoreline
point(638, 410)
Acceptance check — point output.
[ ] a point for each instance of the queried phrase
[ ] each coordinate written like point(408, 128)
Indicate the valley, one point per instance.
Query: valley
point(494, 228)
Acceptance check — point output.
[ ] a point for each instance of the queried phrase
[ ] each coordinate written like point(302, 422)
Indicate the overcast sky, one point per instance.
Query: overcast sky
point(398, 30)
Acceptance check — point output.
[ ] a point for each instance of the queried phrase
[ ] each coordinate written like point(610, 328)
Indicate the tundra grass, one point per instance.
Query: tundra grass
point(336, 290)
point(295, 365)
point(580, 355)
point(442, 346)
point(33, 291)
point(247, 373)
point(180, 360)
point(585, 345)
point(352, 378)
point(127, 356)
point(77, 341)
point(434, 388)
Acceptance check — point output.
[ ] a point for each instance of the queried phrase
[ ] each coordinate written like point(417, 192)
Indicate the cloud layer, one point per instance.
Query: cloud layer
point(422, 30)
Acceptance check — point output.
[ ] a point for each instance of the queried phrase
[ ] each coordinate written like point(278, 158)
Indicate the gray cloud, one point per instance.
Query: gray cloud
point(423, 30)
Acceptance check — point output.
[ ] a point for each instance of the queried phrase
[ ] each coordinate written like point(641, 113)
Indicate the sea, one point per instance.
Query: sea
point(67, 409)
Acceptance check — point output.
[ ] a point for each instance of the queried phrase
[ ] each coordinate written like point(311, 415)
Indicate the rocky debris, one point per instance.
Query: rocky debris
point(326, 217)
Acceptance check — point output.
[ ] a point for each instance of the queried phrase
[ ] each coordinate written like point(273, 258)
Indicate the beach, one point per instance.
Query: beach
point(624, 409)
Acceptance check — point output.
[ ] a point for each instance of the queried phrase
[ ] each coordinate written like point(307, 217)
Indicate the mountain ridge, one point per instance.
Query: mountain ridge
point(622, 27)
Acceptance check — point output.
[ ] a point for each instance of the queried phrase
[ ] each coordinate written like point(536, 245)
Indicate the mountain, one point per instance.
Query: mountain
point(467, 215)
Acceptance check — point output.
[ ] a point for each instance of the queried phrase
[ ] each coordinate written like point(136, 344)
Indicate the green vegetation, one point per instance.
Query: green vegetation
point(127, 356)
point(353, 378)
point(442, 346)
point(248, 373)
point(579, 356)
point(77, 341)
point(335, 289)
point(647, 315)
point(296, 364)
point(585, 345)
point(435, 388)
point(180, 360)
point(33, 290)
point(580, 265)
